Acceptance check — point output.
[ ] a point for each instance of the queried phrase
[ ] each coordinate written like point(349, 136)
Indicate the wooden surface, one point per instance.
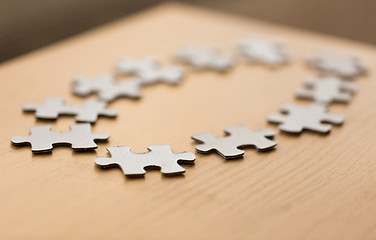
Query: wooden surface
point(311, 187)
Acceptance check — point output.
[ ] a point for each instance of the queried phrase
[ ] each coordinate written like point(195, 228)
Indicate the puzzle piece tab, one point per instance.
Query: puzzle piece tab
point(53, 107)
point(107, 87)
point(204, 58)
point(239, 137)
point(309, 117)
point(337, 65)
point(42, 139)
point(257, 50)
point(134, 164)
point(326, 90)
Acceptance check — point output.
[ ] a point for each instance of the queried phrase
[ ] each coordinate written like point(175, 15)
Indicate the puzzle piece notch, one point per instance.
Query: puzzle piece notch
point(204, 58)
point(238, 137)
point(53, 107)
point(338, 65)
point(310, 117)
point(326, 90)
point(107, 87)
point(42, 139)
point(134, 164)
point(269, 52)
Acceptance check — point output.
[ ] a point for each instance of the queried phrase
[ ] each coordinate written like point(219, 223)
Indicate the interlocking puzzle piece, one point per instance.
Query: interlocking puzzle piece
point(269, 52)
point(239, 137)
point(129, 65)
point(204, 58)
point(326, 90)
point(309, 117)
point(337, 65)
point(149, 72)
point(53, 107)
point(42, 139)
point(134, 164)
point(106, 87)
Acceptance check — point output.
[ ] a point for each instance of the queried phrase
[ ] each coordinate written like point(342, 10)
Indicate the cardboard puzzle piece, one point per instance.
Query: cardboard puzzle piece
point(326, 90)
point(134, 164)
point(204, 58)
point(106, 87)
point(238, 137)
point(343, 66)
point(310, 117)
point(53, 107)
point(42, 139)
point(268, 52)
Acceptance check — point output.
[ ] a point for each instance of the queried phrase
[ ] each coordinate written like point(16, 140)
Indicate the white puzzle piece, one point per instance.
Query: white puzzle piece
point(134, 164)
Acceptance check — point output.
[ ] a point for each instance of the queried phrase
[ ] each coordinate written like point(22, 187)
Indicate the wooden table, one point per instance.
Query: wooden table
point(311, 187)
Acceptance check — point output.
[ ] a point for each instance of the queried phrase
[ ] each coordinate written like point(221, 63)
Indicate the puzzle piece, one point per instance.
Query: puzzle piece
point(239, 137)
point(134, 164)
point(204, 58)
point(149, 72)
point(337, 65)
point(170, 75)
point(309, 117)
point(107, 88)
point(53, 107)
point(326, 90)
point(267, 52)
point(42, 139)
point(129, 65)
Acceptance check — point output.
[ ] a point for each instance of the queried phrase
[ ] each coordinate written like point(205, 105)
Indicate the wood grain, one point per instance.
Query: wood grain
point(311, 187)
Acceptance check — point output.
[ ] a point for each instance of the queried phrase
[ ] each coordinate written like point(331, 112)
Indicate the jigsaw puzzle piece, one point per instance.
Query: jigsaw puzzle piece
point(326, 90)
point(134, 164)
point(53, 107)
point(107, 87)
point(269, 52)
point(89, 111)
point(171, 75)
point(211, 144)
point(42, 139)
point(204, 58)
point(343, 66)
point(48, 110)
point(129, 65)
point(312, 117)
point(237, 137)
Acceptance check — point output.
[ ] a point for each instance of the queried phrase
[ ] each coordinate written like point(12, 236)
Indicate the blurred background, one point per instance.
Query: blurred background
point(26, 25)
